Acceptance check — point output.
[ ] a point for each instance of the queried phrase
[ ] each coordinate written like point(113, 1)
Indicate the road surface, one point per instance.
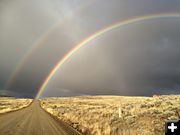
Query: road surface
point(33, 120)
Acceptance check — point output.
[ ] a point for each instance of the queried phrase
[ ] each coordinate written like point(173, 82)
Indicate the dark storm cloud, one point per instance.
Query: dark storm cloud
point(22, 24)
point(138, 59)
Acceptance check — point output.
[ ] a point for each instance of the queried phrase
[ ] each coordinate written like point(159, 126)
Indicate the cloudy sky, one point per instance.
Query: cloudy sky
point(142, 58)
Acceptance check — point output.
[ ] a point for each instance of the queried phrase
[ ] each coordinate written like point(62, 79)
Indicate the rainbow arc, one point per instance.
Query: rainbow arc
point(93, 37)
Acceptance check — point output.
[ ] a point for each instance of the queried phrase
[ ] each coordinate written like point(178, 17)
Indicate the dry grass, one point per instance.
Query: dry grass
point(99, 115)
point(11, 104)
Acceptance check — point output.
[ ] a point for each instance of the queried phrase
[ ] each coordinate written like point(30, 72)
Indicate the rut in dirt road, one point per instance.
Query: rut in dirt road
point(33, 120)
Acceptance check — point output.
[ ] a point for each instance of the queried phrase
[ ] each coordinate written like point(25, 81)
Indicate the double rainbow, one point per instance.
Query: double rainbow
point(40, 42)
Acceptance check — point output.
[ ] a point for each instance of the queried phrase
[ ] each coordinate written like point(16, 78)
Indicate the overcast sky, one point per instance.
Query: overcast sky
point(142, 58)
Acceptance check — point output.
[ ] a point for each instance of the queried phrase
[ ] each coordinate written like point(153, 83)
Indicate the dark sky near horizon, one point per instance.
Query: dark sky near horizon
point(138, 59)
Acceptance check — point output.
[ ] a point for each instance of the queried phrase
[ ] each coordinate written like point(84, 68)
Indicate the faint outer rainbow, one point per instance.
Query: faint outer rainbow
point(97, 34)
point(39, 43)
point(29, 53)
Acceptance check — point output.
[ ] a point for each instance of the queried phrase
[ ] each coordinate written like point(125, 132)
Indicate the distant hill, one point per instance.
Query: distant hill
point(5, 96)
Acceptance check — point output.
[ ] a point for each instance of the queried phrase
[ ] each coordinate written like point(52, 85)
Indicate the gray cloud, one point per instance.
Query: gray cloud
point(138, 59)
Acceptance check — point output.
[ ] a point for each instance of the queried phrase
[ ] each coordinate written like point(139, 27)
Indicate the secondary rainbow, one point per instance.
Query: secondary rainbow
point(94, 36)
point(43, 38)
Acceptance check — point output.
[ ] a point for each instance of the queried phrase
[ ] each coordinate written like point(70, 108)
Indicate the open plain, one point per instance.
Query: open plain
point(115, 115)
point(88, 115)
point(8, 104)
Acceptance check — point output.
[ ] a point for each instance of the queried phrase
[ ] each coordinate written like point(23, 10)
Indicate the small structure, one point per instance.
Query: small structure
point(156, 96)
point(120, 112)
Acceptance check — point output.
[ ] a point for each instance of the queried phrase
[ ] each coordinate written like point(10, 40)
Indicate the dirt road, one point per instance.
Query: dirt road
point(32, 120)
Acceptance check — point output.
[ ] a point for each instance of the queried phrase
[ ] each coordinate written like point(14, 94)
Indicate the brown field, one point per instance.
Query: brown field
point(8, 104)
point(115, 115)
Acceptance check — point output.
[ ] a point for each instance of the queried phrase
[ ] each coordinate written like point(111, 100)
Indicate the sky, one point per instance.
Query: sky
point(141, 58)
